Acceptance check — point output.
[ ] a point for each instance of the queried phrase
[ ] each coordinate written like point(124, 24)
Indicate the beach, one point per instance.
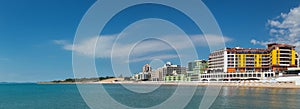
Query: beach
point(231, 84)
point(288, 85)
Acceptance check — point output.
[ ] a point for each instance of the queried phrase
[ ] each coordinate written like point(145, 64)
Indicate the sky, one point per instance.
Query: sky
point(36, 37)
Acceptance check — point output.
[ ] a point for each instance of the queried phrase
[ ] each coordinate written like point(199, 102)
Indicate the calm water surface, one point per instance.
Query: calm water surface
point(34, 96)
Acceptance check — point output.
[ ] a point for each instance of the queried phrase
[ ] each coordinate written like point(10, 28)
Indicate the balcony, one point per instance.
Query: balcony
point(282, 49)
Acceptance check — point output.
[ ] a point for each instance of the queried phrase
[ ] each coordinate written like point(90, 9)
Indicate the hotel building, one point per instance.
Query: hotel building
point(276, 57)
point(230, 64)
point(195, 68)
point(282, 57)
point(145, 75)
point(169, 72)
point(198, 66)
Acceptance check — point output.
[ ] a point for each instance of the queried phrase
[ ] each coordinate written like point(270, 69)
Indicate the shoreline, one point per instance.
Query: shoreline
point(227, 84)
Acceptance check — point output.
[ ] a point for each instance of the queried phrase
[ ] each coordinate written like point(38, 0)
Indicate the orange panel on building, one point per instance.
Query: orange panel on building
point(257, 70)
point(242, 70)
point(231, 70)
point(279, 68)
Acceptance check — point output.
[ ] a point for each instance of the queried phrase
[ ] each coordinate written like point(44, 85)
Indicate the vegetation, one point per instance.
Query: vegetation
point(83, 79)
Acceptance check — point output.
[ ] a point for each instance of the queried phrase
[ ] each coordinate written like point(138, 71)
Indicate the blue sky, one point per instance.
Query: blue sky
point(35, 36)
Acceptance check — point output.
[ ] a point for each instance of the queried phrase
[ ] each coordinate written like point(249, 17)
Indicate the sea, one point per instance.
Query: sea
point(68, 96)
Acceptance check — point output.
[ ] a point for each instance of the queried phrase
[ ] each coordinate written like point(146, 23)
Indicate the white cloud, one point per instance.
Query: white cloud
point(285, 28)
point(142, 51)
point(148, 58)
point(274, 23)
point(200, 40)
point(60, 42)
point(253, 41)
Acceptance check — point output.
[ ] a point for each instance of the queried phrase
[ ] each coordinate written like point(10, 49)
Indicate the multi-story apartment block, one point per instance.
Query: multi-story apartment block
point(217, 61)
point(276, 57)
point(145, 75)
point(247, 60)
point(282, 56)
point(169, 72)
point(195, 68)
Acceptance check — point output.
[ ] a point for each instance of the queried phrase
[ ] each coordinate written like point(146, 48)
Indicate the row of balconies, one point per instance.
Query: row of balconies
point(215, 64)
point(281, 58)
point(216, 61)
point(221, 60)
point(282, 49)
point(213, 60)
point(248, 63)
point(215, 55)
point(253, 61)
point(247, 58)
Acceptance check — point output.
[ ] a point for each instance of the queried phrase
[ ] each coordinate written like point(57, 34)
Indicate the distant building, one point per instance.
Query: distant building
point(170, 69)
point(147, 68)
point(198, 66)
point(195, 68)
point(231, 64)
point(157, 75)
point(145, 75)
point(169, 72)
point(191, 66)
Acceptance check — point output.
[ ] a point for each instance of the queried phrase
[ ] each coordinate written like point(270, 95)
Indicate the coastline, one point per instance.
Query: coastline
point(227, 84)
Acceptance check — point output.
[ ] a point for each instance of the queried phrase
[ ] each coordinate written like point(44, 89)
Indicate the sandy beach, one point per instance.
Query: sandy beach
point(231, 84)
point(251, 83)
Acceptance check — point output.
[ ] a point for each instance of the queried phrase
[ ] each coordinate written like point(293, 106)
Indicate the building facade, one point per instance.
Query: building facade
point(169, 72)
point(157, 75)
point(195, 68)
point(247, 60)
point(147, 68)
point(282, 56)
point(170, 69)
point(276, 57)
point(145, 75)
point(198, 66)
point(217, 61)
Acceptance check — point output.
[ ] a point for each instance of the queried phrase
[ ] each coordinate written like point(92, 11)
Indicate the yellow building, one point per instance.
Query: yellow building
point(247, 60)
point(282, 56)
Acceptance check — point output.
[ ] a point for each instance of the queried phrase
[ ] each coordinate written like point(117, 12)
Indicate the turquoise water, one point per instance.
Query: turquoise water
point(34, 96)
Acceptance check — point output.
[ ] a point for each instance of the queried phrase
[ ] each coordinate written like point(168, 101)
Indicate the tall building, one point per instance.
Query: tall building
point(145, 74)
point(282, 56)
point(170, 69)
point(195, 68)
point(147, 68)
point(276, 57)
point(191, 66)
point(247, 60)
point(169, 72)
point(217, 61)
point(157, 75)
